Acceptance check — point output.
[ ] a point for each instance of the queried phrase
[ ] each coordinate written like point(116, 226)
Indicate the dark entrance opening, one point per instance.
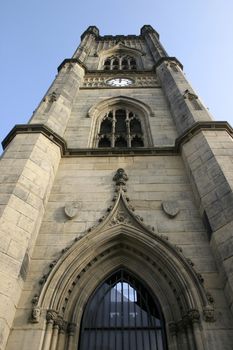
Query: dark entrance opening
point(122, 315)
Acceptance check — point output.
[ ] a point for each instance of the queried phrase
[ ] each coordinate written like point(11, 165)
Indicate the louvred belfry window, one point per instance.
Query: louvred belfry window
point(122, 315)
point(120, 63)
point(120, 128)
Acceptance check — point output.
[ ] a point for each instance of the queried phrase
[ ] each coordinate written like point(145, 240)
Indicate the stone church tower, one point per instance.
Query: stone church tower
point(116, 209)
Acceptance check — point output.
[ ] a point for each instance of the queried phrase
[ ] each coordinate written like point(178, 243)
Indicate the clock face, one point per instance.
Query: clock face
point(120, 82)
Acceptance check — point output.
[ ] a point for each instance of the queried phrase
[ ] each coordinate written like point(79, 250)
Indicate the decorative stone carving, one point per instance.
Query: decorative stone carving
point(35, 315)
point(209, 297)
point(171, 208)
point(64, 250)
point(71, 328)
point(52, 97)
point(174, 67)
point(189, 95)
point(200, 277)
point(151, 228)
point(120, 213)
point(52, 264)
point(51, 316)
point(208, 313)
point(190, 262)
point(67, 66)
point(186, 321)
point(120, 177)
point(194, 315)
point(193, 99)
point(35, 299)
point(92, 81)
point(58, 322)
point(71, 209)
point(62, 325)
point(139, 218)
point(180, 326)
point(44, 279)
point(172, 328)
point(120, 218)
point(178, 248)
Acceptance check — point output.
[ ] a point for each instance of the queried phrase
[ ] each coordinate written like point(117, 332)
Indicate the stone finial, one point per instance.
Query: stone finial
point(147, 28)
point(120, 178)
point(90, 30)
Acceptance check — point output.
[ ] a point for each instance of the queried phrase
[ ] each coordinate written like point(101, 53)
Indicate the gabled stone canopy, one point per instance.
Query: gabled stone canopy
point(120, 235)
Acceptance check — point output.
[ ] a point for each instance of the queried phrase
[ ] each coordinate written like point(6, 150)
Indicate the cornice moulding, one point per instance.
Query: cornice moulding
point(102, 152)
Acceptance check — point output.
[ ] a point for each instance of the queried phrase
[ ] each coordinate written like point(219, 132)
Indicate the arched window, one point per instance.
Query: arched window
point(122, 315)
point(115, 63)
point(133, 64)
point(118, 62)
point(107, 64)
point(120, 128)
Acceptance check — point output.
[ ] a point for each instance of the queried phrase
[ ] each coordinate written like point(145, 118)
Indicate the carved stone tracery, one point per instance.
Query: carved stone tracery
point(120, 218)
point(92, 81)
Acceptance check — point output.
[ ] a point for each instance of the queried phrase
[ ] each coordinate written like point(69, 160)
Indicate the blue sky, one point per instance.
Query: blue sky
point(36, 35)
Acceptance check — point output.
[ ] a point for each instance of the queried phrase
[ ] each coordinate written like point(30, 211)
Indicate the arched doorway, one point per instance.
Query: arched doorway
point(121, 315)
point(89, 306)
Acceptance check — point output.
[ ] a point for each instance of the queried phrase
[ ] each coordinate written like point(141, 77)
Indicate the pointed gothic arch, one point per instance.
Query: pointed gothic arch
point(98, 112)
point(120, 50)
point(122, 241)
point(122, 313)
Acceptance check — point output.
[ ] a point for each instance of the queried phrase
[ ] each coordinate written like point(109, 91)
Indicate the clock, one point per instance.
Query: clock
point(119, 82)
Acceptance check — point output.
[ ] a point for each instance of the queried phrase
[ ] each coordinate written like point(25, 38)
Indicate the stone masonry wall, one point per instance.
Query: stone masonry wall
point(208, 157)
point(162, 126)
point(152, 179)
point(27, 170)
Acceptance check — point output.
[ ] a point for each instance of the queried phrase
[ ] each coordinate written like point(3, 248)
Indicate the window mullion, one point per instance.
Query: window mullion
point(113, 128)
point(129, 63)
point(128, 129)
point(120, 63)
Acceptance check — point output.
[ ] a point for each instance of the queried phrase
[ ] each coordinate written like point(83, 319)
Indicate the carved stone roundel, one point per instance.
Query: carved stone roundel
point(171, 208)
point(71, 209)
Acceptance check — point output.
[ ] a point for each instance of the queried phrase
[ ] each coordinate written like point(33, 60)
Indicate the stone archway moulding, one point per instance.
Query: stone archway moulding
point(121, 239)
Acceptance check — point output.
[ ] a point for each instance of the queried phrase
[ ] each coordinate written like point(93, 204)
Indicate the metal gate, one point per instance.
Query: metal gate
point(122, 315)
